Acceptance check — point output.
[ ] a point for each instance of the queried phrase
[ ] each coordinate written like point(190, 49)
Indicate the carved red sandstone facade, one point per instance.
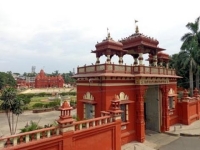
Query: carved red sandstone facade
point(43, 81)
point(134, 85)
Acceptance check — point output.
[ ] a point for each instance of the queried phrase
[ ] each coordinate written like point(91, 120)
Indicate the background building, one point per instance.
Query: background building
point(43, 81)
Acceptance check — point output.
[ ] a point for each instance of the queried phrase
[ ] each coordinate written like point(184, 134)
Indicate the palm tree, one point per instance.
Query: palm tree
point(191, 45)
point(176, 63)
point(187, 59)
point(12, 106)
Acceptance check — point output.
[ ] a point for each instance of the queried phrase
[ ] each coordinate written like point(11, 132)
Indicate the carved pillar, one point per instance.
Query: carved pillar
point(155, 60)
point(140, 52)
point(161, 62)
point(97, 58)
point(140, 58)
point(97, 61)
point(135, 57)
point(120, 55)
point(167, 65)
point(108, 55)
point(108, 59)
point(165, 115)
point(140, 124)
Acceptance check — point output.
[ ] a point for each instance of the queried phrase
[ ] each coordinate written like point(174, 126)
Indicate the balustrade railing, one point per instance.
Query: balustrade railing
point(85, 124)
point(26, 137)
point(115, 68)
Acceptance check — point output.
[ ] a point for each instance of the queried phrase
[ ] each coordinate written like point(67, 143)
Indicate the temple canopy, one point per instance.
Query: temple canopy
point(135, 45)
point(109, 48)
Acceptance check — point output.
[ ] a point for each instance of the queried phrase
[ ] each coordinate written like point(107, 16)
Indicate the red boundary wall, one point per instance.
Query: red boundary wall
point(87, 134)
point(189, 108)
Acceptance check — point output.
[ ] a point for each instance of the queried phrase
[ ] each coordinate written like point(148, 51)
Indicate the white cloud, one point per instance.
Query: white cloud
point(60, 34)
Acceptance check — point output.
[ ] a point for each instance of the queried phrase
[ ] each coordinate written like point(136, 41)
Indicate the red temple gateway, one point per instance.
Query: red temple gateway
point(116, 102)
point(147, 94)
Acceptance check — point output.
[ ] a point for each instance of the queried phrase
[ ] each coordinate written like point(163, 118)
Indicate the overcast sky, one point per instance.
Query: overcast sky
point(59, 35)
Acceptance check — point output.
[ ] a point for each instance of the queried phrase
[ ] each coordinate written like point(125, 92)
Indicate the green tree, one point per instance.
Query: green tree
point(12, 105)
point(55, 73)
point(6, 79)
point(191, 48)
point(175, 62)
point(68, 77)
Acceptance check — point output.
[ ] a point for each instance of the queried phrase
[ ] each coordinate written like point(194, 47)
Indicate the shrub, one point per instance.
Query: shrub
point(38, 105)
point(76, 117)
point(41, 94)
point(30, 127)
point(72, 93)
point(26, 100)
point(54, 103)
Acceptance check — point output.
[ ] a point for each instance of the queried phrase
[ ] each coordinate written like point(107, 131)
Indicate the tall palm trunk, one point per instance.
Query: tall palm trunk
point(191, 79)
point(197, 78)
point(12, 123)
point(16, 124)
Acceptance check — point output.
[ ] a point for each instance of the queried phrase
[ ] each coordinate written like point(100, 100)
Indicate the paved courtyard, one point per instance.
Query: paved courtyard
point(48, 90)
point(42, 119)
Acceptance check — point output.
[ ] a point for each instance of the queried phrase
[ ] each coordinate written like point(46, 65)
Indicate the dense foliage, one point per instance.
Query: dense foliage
point(187, 61)
point(6, 79)
point(12, 105)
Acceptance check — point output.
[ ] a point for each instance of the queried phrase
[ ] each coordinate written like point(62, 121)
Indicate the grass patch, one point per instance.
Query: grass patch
point(37, 99)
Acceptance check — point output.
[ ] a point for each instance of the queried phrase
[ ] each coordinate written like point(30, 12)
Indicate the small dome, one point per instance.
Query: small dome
point(116, 97)
point(65, 105)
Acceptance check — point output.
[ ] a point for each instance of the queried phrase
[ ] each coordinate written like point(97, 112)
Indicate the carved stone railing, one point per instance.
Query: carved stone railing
point(115, 68)
point(26, 137)
point(86, 124)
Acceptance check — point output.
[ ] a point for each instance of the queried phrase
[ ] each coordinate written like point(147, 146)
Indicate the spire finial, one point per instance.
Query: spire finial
point(108, 34)
point(136, 27)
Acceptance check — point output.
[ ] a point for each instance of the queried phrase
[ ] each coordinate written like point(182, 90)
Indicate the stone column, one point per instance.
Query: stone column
point(165, 114)
point(135, 61)
point(97, 61)
point(108, 59)
point(167, 65)
point(120, 60)
point(135, 57)
point(161, 63)
point(140, 124)
point(155, 60)
point(140, 58)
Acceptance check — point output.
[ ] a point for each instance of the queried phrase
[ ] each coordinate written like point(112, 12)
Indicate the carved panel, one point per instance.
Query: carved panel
point(109, 67)
point(128, 69)
point(154, 70)
point(119, 68)
point(90, 69)
point(101, 67)
point(161, 71)
point(147, 70)
point(150, 81)
point(88, 96)
point(81, 70)
point(136, 69)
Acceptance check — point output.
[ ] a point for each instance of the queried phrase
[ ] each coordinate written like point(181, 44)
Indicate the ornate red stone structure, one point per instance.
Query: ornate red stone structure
point(133, 84)
point(116, 102)
point(43, 81)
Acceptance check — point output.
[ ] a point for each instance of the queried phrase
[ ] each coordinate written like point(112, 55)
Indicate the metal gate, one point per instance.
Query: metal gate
point(152, 108)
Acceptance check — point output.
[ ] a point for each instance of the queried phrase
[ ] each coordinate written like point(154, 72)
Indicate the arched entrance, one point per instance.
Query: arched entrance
point(152, 108)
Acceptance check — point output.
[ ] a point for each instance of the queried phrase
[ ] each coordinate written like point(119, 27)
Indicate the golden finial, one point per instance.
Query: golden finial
point(136, 27)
